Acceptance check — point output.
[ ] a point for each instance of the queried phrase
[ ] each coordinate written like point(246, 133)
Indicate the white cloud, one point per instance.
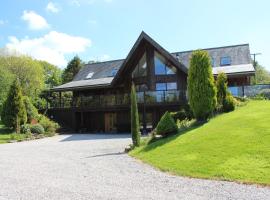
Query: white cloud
point(75, 3)
point(35, 21)
point(52, 47)
point(52, 7)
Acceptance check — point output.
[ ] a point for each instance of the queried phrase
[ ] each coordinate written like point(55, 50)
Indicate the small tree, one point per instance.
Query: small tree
point(14, 113)
point(166, 125)
point(222, 88)
point(72, 69)
point(135, 126)
point(201, 85)
point(225, 99)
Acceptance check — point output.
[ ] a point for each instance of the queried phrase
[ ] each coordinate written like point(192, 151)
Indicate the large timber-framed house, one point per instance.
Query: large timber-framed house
point(100, 91)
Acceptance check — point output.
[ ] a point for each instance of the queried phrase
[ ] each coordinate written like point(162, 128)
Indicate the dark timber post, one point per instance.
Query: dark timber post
point(144, 115)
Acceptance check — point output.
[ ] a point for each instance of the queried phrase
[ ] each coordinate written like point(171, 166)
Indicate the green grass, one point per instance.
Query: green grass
point(233, 146)
point(6, 135)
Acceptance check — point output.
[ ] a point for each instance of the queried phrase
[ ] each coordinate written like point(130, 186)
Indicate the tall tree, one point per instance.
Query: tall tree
point(6, 79)
point(28, 71)
point(52, 74)
point(135, 126)
point(201, 86)
point(14, 113)
point(72, 69)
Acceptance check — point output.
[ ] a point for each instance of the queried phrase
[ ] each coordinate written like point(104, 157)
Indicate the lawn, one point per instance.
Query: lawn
point(233, 146)
point(6, 135)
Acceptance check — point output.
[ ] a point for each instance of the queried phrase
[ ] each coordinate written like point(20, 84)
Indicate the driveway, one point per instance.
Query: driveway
point(94, 167)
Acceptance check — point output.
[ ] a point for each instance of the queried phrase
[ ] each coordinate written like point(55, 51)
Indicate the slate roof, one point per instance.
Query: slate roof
point(102, 71)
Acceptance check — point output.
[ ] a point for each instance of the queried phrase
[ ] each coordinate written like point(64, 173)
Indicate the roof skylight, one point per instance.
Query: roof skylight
point(90, 74)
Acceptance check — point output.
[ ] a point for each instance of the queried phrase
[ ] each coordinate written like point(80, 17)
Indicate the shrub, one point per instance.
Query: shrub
point(25, 129)
point(265, 93)
point(135, 126)
point(49, 126)
point(31, 110)
point(201, 87)
point(229, 104)
point(179, 115)
point(222, 88)
point(166, 125)
point(37, 129)
point(14, 113)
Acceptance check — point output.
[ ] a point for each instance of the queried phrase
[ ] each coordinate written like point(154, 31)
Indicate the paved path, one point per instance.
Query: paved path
point(94, 167)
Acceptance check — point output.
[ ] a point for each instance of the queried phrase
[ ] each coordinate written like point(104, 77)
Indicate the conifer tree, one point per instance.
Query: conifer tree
point(72, 69)
point(14, 113)
point(201, 86)
point(135, 129)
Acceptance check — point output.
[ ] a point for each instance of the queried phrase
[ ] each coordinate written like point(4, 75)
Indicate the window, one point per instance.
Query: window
point(90, 74)
point(113, 72)
point(166, 86)
point(225, 61)
point(141, 68)
point(161, 68)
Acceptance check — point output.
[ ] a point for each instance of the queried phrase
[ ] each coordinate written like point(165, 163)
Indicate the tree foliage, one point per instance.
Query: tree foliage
point(225, 99)
point(31, 111)
point(28, 71)
point(72, 69)
point(135, 126)
point(166, 125)
point(6, 79)
point(222, 88)
point(14, 113)
point(52, 75)
point(262, 76)
point(201, 86)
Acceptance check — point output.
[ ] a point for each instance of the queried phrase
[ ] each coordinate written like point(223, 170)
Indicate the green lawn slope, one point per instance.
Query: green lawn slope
point(232, 146)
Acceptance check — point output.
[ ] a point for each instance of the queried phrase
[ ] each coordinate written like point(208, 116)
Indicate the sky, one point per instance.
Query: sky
point(102, 30)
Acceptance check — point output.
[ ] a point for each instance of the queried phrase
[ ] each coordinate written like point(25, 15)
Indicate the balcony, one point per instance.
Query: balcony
point(97, 101)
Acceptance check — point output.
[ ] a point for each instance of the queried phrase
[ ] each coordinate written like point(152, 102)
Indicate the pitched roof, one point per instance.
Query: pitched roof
point(103, 76)
point(83, 84)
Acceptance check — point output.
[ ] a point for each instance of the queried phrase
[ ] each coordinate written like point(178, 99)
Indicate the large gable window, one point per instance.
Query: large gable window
point(161, 67)
point(141, 68)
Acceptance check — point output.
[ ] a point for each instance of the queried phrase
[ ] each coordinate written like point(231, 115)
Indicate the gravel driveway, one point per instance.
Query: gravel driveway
point(94, 167)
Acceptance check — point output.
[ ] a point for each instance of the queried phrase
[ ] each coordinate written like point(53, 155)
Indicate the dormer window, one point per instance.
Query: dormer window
point(90, 74)
point(225, 61)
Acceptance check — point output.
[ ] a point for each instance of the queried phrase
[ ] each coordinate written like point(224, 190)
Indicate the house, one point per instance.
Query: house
point(100, 92)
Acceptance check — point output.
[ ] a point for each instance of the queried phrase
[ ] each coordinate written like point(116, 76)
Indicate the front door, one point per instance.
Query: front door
point(110, 122)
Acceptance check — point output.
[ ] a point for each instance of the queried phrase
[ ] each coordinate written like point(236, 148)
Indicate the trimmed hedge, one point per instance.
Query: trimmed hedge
point(50, 127)
point(229, 103)
point(166, 125)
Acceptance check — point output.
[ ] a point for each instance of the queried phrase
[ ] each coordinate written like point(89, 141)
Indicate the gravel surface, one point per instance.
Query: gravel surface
point(94, 167)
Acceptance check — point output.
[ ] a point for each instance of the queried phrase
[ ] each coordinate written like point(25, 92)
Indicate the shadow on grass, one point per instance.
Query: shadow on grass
point(157, 142)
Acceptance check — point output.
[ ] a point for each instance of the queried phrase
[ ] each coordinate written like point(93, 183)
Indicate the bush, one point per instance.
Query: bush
point(265, 93)
point(31, 110)
point(49, 126)
point(179, 115)
point(201, 86)
point(37, 129)
point(166, 125)
point(229, 103)
point(25, 129)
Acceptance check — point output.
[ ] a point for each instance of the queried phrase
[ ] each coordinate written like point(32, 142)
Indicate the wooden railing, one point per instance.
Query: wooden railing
point(94, 101)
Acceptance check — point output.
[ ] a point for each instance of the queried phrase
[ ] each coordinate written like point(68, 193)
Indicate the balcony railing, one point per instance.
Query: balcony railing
point(95, 101)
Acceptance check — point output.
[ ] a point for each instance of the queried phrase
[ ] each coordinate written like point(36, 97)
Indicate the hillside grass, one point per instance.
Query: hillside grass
point(234, 146)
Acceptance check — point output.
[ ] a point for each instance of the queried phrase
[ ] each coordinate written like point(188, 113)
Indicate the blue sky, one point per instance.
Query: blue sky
point(106, 29)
